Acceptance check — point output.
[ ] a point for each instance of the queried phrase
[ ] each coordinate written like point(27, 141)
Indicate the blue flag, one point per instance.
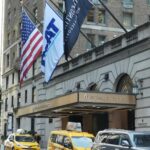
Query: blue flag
point(53, 44)
point(76, 11)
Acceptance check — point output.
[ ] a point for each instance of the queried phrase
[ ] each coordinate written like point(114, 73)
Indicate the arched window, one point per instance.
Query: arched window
point(125, 84)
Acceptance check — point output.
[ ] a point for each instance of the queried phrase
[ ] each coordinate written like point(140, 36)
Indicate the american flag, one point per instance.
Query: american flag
point(32, 41)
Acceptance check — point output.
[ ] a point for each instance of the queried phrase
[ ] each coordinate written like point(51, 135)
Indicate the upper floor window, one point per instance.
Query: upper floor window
point(148, 2)
point(128, 3)
point(13, 78)
point(60, 5)
point(90, 16)
point(91, 37)
point(14, 11)
point(101, 16)
point(7, 60)
point(128, 19)
point(7, 82)
point(33, 94)
point(18, 99)
point(26, 96)
point(12, 101)
point(100, 40)
point(35, 11)
point(9, 17)
point(6, 104)
point(8, 39)
point(14, 35)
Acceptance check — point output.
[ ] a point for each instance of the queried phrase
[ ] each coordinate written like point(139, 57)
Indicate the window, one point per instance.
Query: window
point(8, 38)
point(14, 35)
point(34, 68)
point(100, 40)
point(7, 82)
point(12, 101)
point(19, 29)
point(127, 19)
point(90, 16)
point(9, 17)
point(91, 37)
point(113, 139)
point(33, 94)
point(7, 60)
point(148, 2)
point(20, 48)
point(18, 99)
point(125, 84)
point(53, 138)
point(101, 16)
point(13, 78)
point(14, 11)
point(128, 3)
point(35, 11)
point(60, 5)
point(26, 96)
point(6, 104)
point(18, 75)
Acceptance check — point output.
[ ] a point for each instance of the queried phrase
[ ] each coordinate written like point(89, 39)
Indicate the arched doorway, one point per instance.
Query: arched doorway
point(125, 85)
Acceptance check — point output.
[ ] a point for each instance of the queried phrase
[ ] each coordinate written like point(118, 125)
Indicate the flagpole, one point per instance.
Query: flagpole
point(113, 16)
point(32, 15)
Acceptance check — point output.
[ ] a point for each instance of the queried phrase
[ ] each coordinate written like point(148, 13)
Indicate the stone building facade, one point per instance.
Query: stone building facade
point(124, 59)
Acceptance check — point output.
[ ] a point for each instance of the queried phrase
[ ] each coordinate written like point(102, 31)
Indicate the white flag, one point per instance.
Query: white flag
point(53, 44)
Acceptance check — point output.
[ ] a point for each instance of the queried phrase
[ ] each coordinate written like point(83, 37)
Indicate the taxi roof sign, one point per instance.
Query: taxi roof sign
point(74, 126)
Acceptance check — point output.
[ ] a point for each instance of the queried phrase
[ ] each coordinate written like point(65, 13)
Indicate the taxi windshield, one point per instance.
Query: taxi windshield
point(142, 140)
point(24, 139)
point(84, 142)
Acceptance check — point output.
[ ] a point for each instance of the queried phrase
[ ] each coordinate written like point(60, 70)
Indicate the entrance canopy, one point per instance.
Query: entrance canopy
point(77, 103)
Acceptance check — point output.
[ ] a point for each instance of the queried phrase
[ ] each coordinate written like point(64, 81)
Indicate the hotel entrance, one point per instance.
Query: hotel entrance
point(117, 119)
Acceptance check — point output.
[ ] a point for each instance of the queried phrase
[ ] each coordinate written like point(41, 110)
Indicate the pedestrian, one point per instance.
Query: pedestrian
point(37, 137)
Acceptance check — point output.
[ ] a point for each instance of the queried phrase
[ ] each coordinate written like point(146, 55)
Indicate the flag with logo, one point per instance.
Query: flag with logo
point(76, 11)
point(32, 40)
point(53, 45)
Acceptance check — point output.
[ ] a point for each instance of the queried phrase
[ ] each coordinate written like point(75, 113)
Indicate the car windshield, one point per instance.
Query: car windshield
point(24, 139)
point(84, 142)
point(142, 140)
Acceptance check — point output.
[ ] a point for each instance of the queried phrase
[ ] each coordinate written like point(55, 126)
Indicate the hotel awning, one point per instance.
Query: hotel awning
point(77, 103)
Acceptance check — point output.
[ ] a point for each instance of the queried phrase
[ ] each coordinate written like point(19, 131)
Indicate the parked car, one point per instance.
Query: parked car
point(70, 140)
point(18, 141)
point(115, 139)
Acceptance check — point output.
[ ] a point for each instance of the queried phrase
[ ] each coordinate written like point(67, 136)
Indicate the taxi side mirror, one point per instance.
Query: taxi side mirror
point(68, 145)
point(11, 140)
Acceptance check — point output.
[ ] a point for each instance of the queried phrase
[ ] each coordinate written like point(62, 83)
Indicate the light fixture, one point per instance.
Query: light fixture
point(135, 89)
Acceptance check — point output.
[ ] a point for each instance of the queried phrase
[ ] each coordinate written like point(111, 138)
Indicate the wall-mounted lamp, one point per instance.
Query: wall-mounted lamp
point(135, 89)
point(137, 86)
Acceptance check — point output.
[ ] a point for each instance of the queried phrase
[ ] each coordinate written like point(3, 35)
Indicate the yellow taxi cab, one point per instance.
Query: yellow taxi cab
point(16, 141)
point(70, 140)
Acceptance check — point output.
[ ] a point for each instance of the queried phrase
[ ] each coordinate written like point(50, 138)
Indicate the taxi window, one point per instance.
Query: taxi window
point(59, 139)
point(53, 138)
point(24, 139)
point(84, 142)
